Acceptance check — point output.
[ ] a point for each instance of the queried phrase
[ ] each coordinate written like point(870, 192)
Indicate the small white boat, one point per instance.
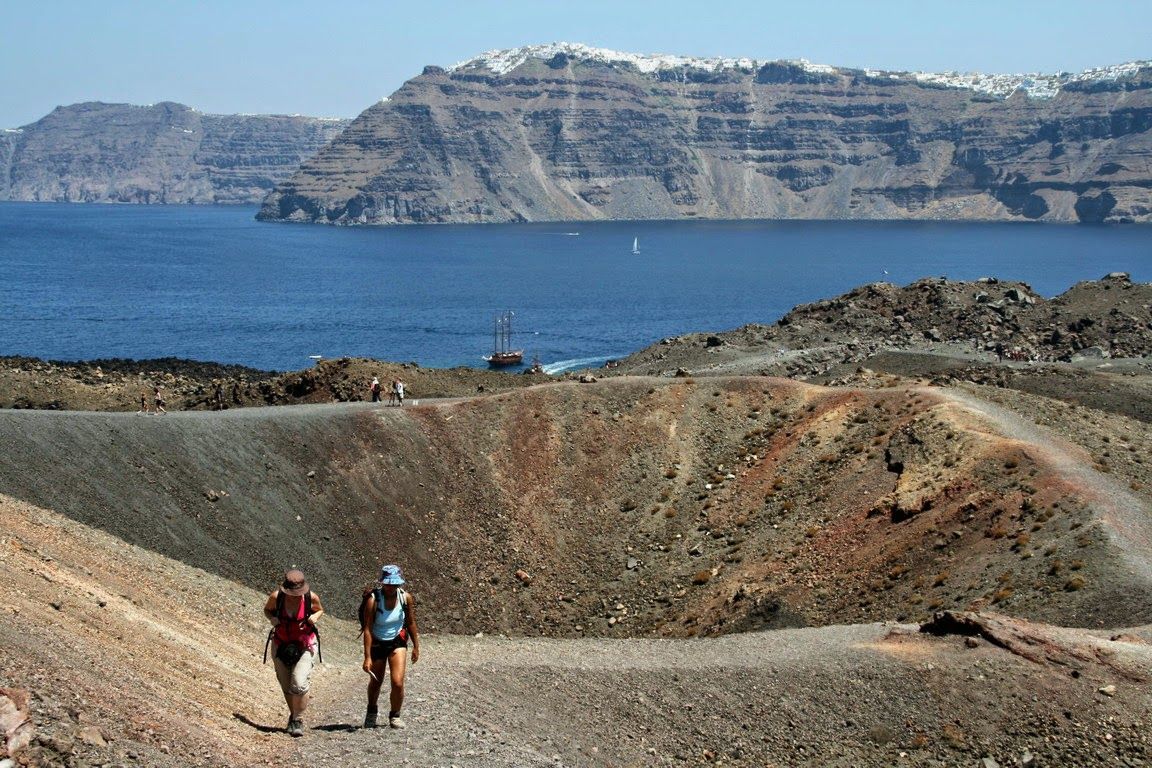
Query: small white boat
point(635, 245)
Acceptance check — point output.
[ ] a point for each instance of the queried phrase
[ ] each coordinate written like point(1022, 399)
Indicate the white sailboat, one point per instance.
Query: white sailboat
point(635, 245)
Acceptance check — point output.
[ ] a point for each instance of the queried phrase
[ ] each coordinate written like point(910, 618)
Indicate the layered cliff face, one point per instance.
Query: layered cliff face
point(164, 153)
point(565, 132)
point(7, 146)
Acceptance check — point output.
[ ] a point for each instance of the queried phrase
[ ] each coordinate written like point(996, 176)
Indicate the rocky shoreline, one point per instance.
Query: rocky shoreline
point(986, 320)
point(983, 331)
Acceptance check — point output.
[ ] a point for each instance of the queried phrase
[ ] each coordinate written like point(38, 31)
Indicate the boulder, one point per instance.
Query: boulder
point(15, 726)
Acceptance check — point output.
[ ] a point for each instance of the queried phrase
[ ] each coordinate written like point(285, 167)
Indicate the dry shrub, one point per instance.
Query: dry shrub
point(701, 577)
point(1074, 584)
point(1002, 594)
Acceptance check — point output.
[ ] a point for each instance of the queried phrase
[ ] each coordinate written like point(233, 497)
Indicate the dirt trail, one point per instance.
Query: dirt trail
point(1126, 517)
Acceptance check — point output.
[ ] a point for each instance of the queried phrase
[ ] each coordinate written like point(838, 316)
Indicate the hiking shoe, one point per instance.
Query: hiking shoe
point(295, 727)
point(370, 719)
point(394, 721)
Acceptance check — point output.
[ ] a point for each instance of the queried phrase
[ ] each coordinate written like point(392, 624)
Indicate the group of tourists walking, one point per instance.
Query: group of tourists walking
point(387, 623)
point(395, 391)
point(157, 398)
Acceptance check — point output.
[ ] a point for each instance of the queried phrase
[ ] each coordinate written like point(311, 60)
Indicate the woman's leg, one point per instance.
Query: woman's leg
point(297, 695)
point(375, 681)
point(397, 664)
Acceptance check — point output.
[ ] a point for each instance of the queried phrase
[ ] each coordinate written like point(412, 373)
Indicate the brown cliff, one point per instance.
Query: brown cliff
point(570, 133)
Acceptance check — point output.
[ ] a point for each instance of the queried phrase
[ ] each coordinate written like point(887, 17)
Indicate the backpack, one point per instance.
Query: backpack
point(290, 653)
point(362, 611)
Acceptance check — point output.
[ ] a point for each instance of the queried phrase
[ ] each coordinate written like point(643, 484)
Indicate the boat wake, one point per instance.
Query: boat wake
point(581, 362)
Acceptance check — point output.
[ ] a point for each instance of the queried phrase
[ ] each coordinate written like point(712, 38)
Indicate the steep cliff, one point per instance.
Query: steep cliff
point(8, 140)
point(164, 153)
point(565, 132)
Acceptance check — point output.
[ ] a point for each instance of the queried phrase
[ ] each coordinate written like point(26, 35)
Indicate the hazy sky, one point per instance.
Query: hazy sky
point(336, 58)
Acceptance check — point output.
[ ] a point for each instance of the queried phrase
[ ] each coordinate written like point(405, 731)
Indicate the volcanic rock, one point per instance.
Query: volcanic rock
point(162, 153)
point(567, 132)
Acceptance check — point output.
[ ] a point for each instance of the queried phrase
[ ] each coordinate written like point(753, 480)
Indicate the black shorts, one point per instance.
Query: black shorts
point(382, 649)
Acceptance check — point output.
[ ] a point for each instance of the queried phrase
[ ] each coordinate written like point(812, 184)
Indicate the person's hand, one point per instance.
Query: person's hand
point(367, 666)
point(415, 654)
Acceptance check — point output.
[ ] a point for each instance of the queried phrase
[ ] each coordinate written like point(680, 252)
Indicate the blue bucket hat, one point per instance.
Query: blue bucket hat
point(390, 574)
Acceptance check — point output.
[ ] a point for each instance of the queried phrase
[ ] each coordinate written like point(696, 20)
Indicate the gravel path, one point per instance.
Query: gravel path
point(1126, 517)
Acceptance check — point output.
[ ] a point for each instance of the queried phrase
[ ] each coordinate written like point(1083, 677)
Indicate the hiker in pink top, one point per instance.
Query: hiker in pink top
point(293, 610)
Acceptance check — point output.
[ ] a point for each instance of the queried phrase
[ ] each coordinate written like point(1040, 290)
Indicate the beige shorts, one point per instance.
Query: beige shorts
point(295, 680)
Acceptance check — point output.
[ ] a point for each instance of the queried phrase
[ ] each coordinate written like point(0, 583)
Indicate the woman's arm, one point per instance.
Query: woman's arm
point(410, 622)
point(270, 608)
point(369, 611)
point(317, 609)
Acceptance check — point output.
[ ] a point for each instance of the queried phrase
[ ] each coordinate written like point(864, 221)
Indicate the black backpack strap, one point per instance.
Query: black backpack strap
point(315, 629)
point(272, 631)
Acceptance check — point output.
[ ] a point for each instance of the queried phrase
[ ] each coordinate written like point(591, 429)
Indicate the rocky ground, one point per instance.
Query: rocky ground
point(119, 385)
point(598, 563)
point(989, 320)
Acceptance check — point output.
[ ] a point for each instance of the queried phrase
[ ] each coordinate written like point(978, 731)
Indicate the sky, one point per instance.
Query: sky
point(335, 59)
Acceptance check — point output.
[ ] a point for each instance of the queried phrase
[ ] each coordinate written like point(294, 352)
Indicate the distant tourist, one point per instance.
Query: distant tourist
point(158, 397)
point(392, 392)
point(293, 610)
point(389, 619)
point(143, 401)
point(217, 395)
point(399, 392)
point(374, 389)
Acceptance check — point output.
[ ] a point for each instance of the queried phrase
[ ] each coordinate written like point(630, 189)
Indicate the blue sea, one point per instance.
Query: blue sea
point(211, 283)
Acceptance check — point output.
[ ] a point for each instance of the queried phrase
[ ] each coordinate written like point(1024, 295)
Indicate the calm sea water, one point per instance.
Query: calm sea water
point(211, 283)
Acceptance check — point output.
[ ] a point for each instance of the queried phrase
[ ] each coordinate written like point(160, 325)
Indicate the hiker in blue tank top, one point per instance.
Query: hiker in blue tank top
point(389, 616)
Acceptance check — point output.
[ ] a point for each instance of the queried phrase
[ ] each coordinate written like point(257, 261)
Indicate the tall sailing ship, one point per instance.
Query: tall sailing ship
point(502, 353)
